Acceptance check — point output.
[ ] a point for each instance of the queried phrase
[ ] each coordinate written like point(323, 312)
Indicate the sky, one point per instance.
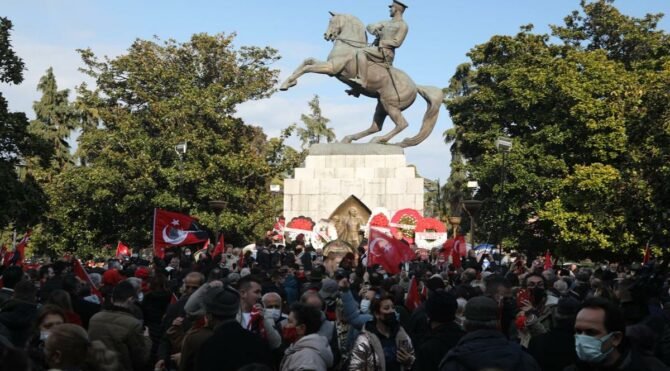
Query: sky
point(441, 32)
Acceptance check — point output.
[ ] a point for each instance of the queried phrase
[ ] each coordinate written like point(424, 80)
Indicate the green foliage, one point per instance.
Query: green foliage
point(21, 197)
point(159, 94)
point(316, 126)
point(589, 118)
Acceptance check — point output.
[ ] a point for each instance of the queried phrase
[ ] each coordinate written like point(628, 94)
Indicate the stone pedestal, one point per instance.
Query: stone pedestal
point(377, 174)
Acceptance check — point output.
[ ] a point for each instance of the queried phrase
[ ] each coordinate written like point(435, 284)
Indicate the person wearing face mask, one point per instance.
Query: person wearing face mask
point(383, 345)
point(308, 349)
point(537, 311)
point(327, 328)
point(120, 331)
point(600, 341)
point(48, 318)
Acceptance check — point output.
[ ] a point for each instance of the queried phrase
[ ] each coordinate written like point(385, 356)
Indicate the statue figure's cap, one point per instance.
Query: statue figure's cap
point(399, 3)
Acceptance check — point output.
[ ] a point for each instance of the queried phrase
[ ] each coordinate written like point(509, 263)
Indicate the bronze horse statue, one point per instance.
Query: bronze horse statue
point(394, 89)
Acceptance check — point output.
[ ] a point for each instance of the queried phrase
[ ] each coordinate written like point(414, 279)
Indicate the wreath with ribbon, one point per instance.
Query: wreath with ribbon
point(300, 225)
point(430, 233)
point(324, 231)
point(405, 221)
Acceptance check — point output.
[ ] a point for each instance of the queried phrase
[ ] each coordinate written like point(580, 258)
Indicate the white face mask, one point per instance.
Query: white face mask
point(140, 297)
point(44, 335)
point(589, 348)
point(365, 306)
point(273, 313)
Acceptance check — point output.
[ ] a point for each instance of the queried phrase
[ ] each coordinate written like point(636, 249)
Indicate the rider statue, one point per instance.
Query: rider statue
point(389, 36)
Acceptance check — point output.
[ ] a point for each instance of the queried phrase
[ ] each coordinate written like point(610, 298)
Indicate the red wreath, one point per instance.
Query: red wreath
point(407, 217)
point(431, 225)
point(379, 220)
point(302, 223)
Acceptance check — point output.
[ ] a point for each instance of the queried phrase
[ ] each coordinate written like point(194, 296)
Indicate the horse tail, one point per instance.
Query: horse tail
point(434, 97)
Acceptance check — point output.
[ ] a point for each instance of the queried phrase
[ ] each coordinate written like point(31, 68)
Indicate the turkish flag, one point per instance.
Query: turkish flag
point(175, 229)
point(387, 251)
point(455, 247)
point(122, 250)
point(16, 257)
point(218, 249)
point(413, 298)
point(80, 272)
point(547, 261)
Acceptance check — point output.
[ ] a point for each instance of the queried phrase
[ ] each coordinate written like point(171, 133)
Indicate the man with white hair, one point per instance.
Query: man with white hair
point(272, 305)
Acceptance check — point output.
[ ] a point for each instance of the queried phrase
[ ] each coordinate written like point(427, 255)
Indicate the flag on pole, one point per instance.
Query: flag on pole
point(80, 272)
point(547, 260)
point(122, 250)
point(175, 229)
point(387, 251)
point(413, 298)
point(455, 247)
point(18, 254)
point(218, 249)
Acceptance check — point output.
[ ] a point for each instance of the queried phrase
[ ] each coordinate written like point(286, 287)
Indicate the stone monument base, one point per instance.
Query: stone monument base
point(376, 174)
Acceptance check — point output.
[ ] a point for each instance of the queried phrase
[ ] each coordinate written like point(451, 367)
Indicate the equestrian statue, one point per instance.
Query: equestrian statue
point(368, 70)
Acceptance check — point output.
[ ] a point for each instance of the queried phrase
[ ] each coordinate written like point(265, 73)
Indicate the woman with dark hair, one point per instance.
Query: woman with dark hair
point(47, 318)
point(61, 299)
point(383, 345)
point(69, 348)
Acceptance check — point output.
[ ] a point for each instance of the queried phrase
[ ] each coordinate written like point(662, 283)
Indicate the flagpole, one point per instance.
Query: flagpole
point(153, 233)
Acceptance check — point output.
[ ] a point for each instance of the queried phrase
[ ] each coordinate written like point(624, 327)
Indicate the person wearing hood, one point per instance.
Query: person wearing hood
point(383, 345)
point(444, 335)
point(484, 346)
point(308, 349)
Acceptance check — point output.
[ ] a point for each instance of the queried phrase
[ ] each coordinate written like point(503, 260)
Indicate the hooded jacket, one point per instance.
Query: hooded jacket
point(483, 349)
point(311, 352)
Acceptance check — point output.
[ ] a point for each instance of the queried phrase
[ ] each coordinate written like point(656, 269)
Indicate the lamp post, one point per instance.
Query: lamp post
point(181, 152)
point(504, 146)
point(471, 207)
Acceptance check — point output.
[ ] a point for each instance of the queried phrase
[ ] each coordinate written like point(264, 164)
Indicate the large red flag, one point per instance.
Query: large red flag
point(456, 247)
point(218, 249)
point(175, 229)
point(80, 272)
point(387, 251)
point(413, 298)
point(122, 250)
point(547, 260)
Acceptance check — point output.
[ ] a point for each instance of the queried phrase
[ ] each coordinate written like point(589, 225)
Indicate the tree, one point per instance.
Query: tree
point(146, 101)
point(55, 120)
point(316, 126)
point(589, 119)
point(21, 197)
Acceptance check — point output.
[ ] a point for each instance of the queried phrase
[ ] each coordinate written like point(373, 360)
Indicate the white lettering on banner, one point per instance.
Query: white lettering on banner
point(402, 226)
point(430, 235)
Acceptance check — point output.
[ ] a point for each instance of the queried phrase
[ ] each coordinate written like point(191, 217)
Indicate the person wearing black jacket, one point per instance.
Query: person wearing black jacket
point(555, 349)
point(444, 335)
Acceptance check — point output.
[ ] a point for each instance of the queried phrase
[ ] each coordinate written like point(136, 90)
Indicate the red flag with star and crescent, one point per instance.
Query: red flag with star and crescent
point(175, 229)
point(388, 251)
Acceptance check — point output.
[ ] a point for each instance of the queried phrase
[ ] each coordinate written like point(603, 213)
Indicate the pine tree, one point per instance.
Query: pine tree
point(316, 126)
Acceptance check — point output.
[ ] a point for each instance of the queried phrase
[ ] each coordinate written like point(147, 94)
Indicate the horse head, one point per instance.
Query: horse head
point(345, 26)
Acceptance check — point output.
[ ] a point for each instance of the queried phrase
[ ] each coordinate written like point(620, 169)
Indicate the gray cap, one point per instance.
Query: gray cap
point(223, 302)
point(328, 288)
point(481, 308)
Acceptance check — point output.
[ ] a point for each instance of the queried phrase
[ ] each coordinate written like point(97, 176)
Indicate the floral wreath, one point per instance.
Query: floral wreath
point(324, 231)
point(379, 218)
point(430, 233)
point(405, 221)
point(299, 225)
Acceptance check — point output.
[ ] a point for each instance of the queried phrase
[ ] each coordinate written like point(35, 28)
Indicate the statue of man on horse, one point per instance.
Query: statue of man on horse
point(369, 71)
point(389, 36)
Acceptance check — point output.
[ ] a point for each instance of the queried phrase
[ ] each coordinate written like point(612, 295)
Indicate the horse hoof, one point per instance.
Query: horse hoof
point(346, 140)
point(378, 140)
point(285, 86)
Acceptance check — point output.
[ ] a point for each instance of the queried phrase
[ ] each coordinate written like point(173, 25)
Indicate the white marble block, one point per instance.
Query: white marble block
point(376, 174)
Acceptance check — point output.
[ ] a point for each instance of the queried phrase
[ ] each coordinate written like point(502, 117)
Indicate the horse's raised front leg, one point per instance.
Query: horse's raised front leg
point(398, 120)
point(377, 124)
point(307, 66)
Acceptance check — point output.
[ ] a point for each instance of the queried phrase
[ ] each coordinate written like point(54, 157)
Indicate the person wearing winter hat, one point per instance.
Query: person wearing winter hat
point(230, 347)
point(484, 346)
point(444, 334)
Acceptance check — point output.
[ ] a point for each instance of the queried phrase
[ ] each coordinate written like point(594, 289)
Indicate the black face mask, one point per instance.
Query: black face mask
point(390, 320)
point(538, 295)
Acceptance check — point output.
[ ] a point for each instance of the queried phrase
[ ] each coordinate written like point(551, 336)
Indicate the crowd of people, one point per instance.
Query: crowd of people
point(281, 308)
